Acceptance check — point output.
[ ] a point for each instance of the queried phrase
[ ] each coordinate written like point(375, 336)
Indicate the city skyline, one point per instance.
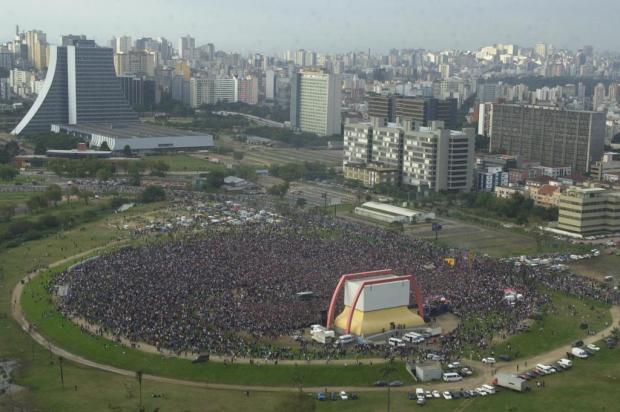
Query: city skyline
point(445, 24)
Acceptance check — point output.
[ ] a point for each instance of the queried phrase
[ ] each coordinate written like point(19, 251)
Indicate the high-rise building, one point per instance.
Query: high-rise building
point(357, 143)
point(599, 96)
point(430, 158)
point(444, 70)
point(37, 48)
point(549, 135)
point(226, 89)
point(201, 91)
point(123, 44)
point(7, 58)
point(135, 62)
point(210, 51)
point(438, 159)
point(541, 50)
point(423, 110)
point(300, 58)
point(139, 91)
point(316, 102)
point(70, 39)
point(248, 90)
point(187, 45)
point(383, 107)
point(612, 95)
point(80, 87)
point(270, 84)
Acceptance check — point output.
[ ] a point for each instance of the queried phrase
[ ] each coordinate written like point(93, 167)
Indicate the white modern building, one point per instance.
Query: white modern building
point(140, 137)
point(438, 158)
point(316, 101)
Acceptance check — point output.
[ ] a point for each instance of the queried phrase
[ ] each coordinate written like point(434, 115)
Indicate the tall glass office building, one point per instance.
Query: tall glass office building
point(80, 87)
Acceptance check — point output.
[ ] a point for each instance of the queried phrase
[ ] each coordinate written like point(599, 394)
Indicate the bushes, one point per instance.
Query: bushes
point(7, 172)
point(153, 194)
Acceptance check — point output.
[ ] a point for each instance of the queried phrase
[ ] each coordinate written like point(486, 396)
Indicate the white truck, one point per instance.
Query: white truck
point(506, 380)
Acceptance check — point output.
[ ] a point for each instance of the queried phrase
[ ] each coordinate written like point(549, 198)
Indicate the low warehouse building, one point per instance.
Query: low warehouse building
point(391, 214)
point(140, 137)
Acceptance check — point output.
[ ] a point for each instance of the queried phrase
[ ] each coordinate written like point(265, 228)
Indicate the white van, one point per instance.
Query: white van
point(345, 339)
point(580, 353)
point(488, 389)
point(546, 369)
point(396, 342)
point(413, 337)
point(451, 377)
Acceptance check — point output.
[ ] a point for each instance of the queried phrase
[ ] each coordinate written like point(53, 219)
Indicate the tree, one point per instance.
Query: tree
point(279, 190)
point(127, 151)
point(7, 172)
point(301, 202)
point(40, 149)
point(103, 174)
point(104, 147)
point(159, 168)
point(85, 195)
point(215, 179)
point(153, 194)
point(36, 202)
point(7, 211)
point(53, 194)
point(134, 177)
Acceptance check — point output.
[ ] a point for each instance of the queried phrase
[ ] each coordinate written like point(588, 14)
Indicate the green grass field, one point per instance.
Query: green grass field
point(15, 198)
point(599, 267)
point(558, 327)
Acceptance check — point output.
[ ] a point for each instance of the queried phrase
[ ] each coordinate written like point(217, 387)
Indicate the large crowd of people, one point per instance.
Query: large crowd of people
point(232, 291)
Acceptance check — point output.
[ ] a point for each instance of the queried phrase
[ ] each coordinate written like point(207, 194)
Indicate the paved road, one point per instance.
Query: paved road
point(485, 375)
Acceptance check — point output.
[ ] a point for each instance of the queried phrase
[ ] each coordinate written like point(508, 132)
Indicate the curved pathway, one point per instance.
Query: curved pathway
point(485, 372)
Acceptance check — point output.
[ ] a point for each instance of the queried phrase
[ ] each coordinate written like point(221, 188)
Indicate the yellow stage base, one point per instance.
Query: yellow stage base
point(377, 321)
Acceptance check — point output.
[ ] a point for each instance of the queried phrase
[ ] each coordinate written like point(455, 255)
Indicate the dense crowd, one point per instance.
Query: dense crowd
point(233, 290)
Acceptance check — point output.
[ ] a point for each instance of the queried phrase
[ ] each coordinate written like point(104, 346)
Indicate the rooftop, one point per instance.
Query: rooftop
point(130, 130)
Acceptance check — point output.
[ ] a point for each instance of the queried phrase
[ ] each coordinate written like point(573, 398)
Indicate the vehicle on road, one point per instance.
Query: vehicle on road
point(488, 361)
point(395, 384)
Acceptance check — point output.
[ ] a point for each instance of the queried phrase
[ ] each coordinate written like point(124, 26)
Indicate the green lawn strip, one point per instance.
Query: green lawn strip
point(557, 327)
point(49, 322)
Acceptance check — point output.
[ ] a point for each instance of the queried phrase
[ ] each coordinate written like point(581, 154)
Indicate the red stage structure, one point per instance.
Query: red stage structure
point(413, 284)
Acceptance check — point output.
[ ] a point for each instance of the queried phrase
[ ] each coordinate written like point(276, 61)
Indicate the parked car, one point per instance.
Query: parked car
point(447, 395)
point(411, 396)
point(436, 394)
point(593, 347)
point(565, 363)
point(421, 401)
point(320, 396)
point(344, 396)
point(334, 396)
point(353, 396)
point(380, 383)
point(488, 361)
point(580, 353)
point(505, 358)
point(396, 383)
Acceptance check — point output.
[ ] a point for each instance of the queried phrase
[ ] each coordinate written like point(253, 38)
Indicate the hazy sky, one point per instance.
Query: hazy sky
point(326, 25)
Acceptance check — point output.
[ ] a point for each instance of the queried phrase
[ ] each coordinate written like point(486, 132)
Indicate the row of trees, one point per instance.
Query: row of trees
point(290, 137)
point(517, 207)
point(104, 169)
point(305, 171)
